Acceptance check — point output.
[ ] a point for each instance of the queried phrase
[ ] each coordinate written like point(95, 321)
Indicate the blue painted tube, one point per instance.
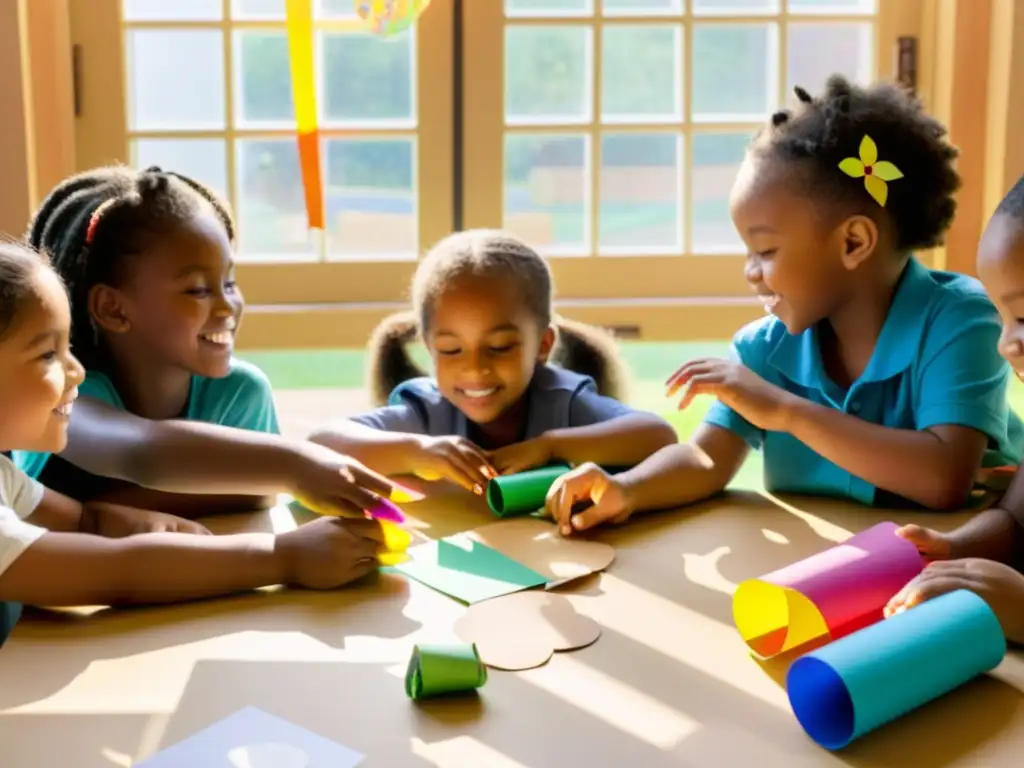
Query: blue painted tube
point(852, 686)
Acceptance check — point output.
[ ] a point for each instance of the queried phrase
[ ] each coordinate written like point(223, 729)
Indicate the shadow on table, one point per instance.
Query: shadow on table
point(371, 607)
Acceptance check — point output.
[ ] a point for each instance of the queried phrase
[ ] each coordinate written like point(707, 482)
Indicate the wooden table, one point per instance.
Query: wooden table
point(669, 683)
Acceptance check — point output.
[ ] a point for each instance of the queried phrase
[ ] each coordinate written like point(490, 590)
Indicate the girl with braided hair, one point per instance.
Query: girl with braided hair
point(873, 377)
point(169, 419)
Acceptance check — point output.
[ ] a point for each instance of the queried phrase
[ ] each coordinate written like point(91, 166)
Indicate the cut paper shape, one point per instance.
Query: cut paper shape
point(852, 686)
point(524, 630)
point(396, 544)
point(402, 495)
point(435, 670)
point(386, 510)
point(299, 15)
point(523, 492)
point(537, 544)
point(268, 756)
point(826, 596)
point(390, 17)
point(467, 570)
point(252, 733)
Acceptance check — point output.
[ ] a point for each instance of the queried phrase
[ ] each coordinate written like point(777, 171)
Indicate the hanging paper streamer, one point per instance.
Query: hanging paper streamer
point(854, 685)
point(390, 17)
point(438, 669)
point(826, 596)
point(300, 53)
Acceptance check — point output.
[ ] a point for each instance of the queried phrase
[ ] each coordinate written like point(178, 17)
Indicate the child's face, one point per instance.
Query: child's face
point(794, 261)
point(179, 304)
point(485, 345)
point(1001, 269)
point(38, 374)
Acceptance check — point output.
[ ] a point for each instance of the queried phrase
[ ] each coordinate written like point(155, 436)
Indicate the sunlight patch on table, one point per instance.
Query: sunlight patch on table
point(702, 570)
point(825, 529)
point(619, 705)
point(682, 634)
point(460, 752)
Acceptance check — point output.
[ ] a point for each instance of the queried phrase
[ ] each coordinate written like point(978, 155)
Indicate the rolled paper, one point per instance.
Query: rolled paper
point(396, 542)
point(386, 510)
point(826, 596)
point(852, 686)
point(438, 669)
point(524, 492)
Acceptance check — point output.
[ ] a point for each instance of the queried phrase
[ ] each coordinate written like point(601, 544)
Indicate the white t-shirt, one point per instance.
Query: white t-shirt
point(19, 497)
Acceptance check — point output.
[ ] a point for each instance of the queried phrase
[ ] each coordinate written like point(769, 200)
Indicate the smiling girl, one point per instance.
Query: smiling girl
point(168, 415)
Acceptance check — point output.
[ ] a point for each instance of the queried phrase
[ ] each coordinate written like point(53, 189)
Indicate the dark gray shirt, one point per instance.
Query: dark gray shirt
point(556, 399)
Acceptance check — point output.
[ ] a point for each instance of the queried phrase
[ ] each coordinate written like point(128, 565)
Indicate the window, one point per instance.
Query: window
point(609, 132)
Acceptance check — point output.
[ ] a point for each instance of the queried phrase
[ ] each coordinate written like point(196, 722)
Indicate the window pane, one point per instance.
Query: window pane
point(265, 91)
point(715, 163)
point(549, 7)
point(548, 74)
point(735, 7)
point(271, 204)
point(367, 78)
point(833, 6)
point(256, 9)
point(547, 191)
point(371, 198)
point(337, 9)
point(640, 7)
point(176, 79)
point(815, 51)
point(641, 69)
point(204, 160)
point(641, 195)
point(177, 10)
point(734, 71)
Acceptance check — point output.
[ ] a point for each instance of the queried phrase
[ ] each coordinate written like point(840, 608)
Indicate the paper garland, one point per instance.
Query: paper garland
point(439, 669)
point(390, 17)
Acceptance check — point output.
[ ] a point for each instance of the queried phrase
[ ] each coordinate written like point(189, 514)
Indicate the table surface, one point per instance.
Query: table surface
point(669, 683)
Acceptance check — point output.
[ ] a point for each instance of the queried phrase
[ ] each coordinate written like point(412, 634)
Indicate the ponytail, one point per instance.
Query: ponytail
point(389, 363)
point(591, 351)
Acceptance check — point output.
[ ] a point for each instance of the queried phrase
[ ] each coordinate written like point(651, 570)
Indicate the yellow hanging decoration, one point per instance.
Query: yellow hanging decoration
point(877, 173)
point(390, 17)
point(300, 54)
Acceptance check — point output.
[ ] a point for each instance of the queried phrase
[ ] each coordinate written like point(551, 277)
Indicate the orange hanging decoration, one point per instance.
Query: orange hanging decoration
point(300, 53)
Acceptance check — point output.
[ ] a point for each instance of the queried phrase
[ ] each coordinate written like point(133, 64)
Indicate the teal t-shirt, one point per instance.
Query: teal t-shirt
point(242, 399)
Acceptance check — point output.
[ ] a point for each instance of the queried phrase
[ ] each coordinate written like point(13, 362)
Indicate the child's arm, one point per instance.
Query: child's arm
point(61, 514)
point(190, 457)
point(57, 569)
point(676, 475)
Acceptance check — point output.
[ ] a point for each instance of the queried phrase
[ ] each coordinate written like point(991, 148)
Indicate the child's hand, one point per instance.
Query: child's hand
point(931, 544)
point(520, 457)
point(762, 404)
point(455, 459)
point(331, 483)
point(113, 521)
point(329, 552)
point(1000, 585)
point(587, 483)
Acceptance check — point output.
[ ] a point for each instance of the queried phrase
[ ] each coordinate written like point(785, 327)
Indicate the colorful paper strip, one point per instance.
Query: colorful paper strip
point(301, 60)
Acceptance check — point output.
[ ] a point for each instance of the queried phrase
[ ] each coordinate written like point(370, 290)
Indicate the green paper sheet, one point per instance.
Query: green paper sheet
point(522, 493)
point(467, 570)
point(438, 669)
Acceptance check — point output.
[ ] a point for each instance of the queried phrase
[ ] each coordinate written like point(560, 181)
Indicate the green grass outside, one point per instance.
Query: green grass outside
point(650, 363)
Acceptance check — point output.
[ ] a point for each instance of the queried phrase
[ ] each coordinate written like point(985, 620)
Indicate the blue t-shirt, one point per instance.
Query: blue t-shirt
point(556, 399)
point(935, 363)
point(242, 399)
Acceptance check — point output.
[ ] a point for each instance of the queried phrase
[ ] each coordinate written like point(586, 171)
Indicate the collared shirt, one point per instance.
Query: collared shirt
point(935, 362)
point(556, 399)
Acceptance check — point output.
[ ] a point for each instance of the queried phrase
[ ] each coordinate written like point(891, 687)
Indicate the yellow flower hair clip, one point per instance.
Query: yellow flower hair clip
point(876, 173)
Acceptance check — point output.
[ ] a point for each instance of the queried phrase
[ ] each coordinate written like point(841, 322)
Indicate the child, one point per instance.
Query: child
point(482, 305)
point(986, 554)
point(55, 551)
point(147, 258)
point(873, 378)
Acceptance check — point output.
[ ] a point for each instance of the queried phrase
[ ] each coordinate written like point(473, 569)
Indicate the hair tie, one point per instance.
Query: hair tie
point(94, 220)
point(876, 172)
